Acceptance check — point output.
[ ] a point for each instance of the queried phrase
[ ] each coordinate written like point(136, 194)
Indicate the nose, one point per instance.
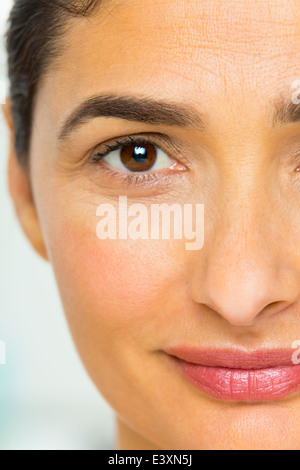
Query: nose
point(241, 272)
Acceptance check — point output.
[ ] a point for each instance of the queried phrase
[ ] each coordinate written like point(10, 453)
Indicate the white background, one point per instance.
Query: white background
point(46, 399)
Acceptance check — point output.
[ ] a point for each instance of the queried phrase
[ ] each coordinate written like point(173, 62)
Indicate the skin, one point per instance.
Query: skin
point(126, 301)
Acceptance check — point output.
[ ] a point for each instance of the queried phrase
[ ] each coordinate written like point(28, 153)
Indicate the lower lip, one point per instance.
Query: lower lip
point(243, 385)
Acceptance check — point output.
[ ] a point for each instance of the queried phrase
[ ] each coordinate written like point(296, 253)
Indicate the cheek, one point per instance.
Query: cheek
point(115, 282)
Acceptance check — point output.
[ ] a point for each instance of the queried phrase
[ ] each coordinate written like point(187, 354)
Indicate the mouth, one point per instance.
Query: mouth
point(233, 375)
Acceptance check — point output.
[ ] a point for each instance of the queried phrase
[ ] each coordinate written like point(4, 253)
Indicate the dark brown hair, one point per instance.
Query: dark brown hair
point(32, 41)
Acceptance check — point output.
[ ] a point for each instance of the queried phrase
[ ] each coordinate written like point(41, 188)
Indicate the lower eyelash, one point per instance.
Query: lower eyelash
point(134, 178)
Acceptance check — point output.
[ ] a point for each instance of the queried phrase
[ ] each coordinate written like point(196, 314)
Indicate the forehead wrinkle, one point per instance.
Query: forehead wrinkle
point(202, 54)
point(233, 30)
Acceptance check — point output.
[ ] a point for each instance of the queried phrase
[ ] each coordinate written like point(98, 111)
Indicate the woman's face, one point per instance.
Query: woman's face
point(232, 67)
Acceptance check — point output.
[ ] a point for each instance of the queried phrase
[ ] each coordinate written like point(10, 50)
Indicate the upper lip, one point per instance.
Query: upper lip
point(233, 358)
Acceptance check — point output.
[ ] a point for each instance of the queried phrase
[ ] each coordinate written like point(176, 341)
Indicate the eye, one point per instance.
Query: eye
point(138, 158)
point(134, 156)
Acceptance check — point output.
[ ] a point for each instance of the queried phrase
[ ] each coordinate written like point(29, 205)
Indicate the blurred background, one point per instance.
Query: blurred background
point(47, 401)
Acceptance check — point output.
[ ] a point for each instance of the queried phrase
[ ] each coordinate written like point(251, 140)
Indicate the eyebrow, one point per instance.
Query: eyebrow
point(286, 112)
point(132, 108)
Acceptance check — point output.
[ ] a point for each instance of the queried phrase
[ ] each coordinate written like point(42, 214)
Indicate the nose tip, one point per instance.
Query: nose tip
point(241, 297)
point(240, 306)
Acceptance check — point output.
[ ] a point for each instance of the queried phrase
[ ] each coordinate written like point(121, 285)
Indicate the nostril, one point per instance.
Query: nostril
point(271, 306)
point(241, 314)
point(276, 307)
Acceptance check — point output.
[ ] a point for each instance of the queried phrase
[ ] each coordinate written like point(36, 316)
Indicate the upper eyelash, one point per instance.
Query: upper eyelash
point(98, 156)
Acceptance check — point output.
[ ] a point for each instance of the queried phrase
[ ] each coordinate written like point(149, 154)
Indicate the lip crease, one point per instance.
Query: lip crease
point(234, 375)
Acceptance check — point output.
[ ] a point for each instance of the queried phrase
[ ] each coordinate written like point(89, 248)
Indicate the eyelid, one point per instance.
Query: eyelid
point(161, 141)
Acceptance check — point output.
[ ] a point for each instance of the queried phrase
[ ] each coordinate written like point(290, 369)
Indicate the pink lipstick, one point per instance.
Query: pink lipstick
point(233, 375)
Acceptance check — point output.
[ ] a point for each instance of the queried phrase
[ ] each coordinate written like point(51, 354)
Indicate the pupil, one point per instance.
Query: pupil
point(140, 154)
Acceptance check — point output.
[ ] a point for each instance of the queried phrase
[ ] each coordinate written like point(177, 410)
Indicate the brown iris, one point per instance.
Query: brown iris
point(139, 157)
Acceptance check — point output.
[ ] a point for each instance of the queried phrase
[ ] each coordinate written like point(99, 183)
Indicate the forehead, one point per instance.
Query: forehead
point(192, 49)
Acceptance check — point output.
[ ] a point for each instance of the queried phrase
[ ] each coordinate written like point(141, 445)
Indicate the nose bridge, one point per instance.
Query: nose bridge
point(247, 205)
point(241, 241)
point(244, 218)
